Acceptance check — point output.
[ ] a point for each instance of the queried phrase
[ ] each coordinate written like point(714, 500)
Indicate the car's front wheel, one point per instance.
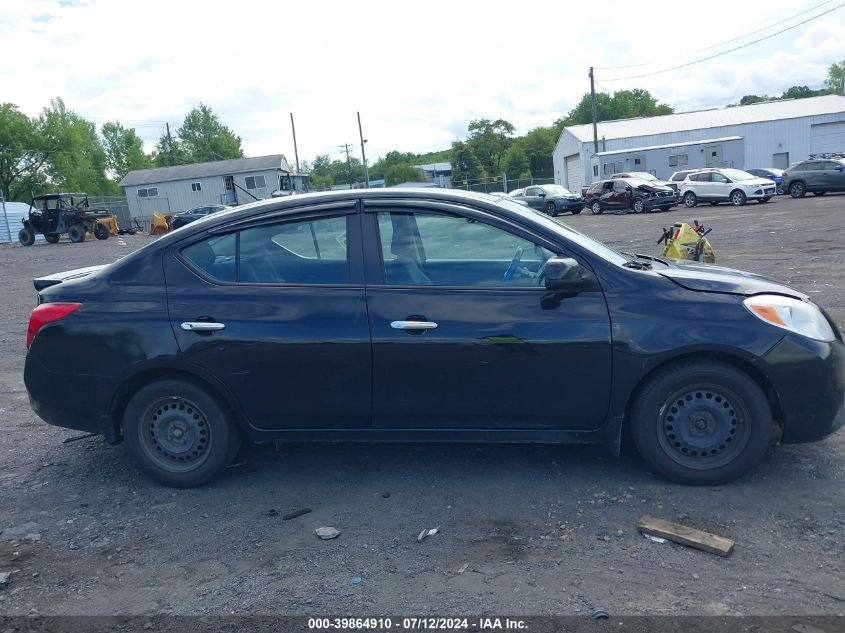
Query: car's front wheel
point(76, 233)
point(737, 198)
point(596, 207)
point(701, 422)
point(797, 190)
point(26, 236)
point(101, 231)
point(690, 199)
point(639, 206)
point(179, 433)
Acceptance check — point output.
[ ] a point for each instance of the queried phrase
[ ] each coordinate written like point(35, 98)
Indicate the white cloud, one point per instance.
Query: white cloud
point(417, 72)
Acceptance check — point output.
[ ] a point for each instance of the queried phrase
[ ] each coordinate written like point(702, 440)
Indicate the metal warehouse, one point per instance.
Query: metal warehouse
point(772, 134)
point(183, 187)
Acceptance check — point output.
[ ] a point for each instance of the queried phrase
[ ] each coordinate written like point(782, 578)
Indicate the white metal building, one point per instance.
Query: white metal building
point(183, 187)
point(772, 134)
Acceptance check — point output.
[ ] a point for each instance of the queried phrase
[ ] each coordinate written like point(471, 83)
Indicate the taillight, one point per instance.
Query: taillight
point(46, 313)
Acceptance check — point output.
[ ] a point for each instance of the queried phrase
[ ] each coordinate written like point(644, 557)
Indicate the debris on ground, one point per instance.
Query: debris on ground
point(296, 513)
point(357, 580)
point(599, 613)
point(426, 533)
point(654, 539)
point(5, 576)
point(327, 533)
point(463, 568)
point(686, 535)
point(76, 438)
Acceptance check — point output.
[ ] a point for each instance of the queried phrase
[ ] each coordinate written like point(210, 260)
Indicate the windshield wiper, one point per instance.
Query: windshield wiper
point(637, 265)
point(651, 257)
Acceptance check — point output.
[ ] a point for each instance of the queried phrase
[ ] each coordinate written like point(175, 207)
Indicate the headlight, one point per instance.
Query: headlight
point(791, 314)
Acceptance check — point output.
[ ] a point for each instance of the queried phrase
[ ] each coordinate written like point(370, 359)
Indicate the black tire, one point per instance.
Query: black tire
point(596, 208)
point(819, 193)
point(737, 198)
point(763, 200)
point(26, 236)
point(575, 211)
point(551, 210)
point(179, 433)
point(701, 422)
point(797, 189)
point(638, 205)
point(690, 199)
point(52, 238)
point(76, 233)
point(101, 231)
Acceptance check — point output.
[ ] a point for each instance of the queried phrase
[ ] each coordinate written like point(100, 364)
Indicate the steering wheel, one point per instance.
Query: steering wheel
point(541, 272)
point(517, 256)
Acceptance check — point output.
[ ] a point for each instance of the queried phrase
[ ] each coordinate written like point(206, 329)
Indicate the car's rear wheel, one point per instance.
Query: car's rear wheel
point(76, 233)
point(179, 433)
point(52, 238)
point(550, 209)
point(797, 190)
point(701, 422)
point(737, 198)
point(596, 207)
point(690, 199)
point(638, 206)
point(26, 236)
point(101, 231)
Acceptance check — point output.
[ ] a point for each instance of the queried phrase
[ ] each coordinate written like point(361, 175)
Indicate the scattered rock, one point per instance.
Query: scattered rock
point(386, 494)
point(426, 533)
point(272, 512)
point(18, 531)
point(696, 576)
point(463, 568)
point(296, 513)
point(327, 533)
point(33, 538)
point(74, 546)
point(5, 577)
point(619, 532)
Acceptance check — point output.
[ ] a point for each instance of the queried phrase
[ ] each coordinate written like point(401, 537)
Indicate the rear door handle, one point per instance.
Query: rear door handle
point(413, 325)
point(202, 326)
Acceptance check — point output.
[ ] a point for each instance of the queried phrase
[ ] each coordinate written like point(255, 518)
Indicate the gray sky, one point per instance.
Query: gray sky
point(417, 71)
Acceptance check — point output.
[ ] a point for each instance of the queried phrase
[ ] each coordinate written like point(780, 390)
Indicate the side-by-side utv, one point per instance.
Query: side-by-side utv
point(56, 214)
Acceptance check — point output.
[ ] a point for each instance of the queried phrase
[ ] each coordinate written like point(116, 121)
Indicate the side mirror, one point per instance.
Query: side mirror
point(542, 194)
point(564, 274)
point(839, 168)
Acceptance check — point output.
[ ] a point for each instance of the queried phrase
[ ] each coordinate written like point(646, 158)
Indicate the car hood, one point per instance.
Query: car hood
point(756, 182)
point(654, 188)
point(708, 278)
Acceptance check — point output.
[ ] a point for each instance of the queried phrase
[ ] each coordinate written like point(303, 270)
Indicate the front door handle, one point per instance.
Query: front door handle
point(413, 325)
point(202, 326)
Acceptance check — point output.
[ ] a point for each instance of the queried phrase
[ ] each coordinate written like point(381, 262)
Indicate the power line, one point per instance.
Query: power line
point(736, 48)
point(740, 37)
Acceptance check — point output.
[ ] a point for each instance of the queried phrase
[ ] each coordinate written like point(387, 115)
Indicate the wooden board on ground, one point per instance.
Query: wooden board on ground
point(686, 535)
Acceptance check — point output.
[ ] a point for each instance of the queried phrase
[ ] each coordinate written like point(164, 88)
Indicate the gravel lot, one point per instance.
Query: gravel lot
point(535, 529)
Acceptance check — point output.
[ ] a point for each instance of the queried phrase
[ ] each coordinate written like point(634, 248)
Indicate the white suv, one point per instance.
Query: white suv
point(725, 185)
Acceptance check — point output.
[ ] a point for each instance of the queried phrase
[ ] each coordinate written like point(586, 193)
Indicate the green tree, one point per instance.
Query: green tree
point(835, 81)
point(23, 155)
point(394, 158)
point(201, 138)
point(624, 104)
point(752, 99)
point(489, 140)
point(399, 173)
point(515, 162)
point(465, 164)
point(124, 149)
point(80, 164)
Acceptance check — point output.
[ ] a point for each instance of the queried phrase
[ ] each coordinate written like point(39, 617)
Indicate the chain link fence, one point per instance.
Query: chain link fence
point(498, 184)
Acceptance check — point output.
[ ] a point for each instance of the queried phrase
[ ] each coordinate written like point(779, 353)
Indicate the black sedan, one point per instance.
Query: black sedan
point(426, 315)
point(186, 217)
point(550, 199)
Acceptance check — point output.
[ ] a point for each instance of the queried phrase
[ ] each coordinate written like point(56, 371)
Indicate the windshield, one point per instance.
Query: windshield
point(738, 174)
point(564, 230)
point(557, 190)
point(643, 175)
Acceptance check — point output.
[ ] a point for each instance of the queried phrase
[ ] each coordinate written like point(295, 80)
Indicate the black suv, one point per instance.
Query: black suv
point(817, 175)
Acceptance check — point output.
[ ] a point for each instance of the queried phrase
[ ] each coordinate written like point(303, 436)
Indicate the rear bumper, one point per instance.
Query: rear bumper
point(809, 378)
point(71, 401)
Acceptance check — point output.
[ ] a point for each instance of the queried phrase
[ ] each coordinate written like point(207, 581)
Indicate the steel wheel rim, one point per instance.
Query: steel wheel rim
point(689, 201)
point(175, 434)
point(703, 428)
point(639, 206)
point(595, 208)
point(797, 189)
point(737, 199)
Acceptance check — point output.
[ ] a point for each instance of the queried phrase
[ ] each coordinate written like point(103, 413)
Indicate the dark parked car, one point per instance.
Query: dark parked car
point(186, 217)
point(426, 315)
point(620, 194)
point(550, 199)
point(642, 175)
point(817, 176)
point(773, 174)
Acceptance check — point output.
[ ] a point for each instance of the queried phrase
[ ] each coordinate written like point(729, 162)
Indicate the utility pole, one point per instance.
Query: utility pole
point(595, 122)
point(363, 154)
point(169, 145)
point(295, 151)
point(345, 147)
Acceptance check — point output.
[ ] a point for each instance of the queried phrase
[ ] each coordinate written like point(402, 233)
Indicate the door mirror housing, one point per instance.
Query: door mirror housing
point(564, 274)
point(542, 194)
